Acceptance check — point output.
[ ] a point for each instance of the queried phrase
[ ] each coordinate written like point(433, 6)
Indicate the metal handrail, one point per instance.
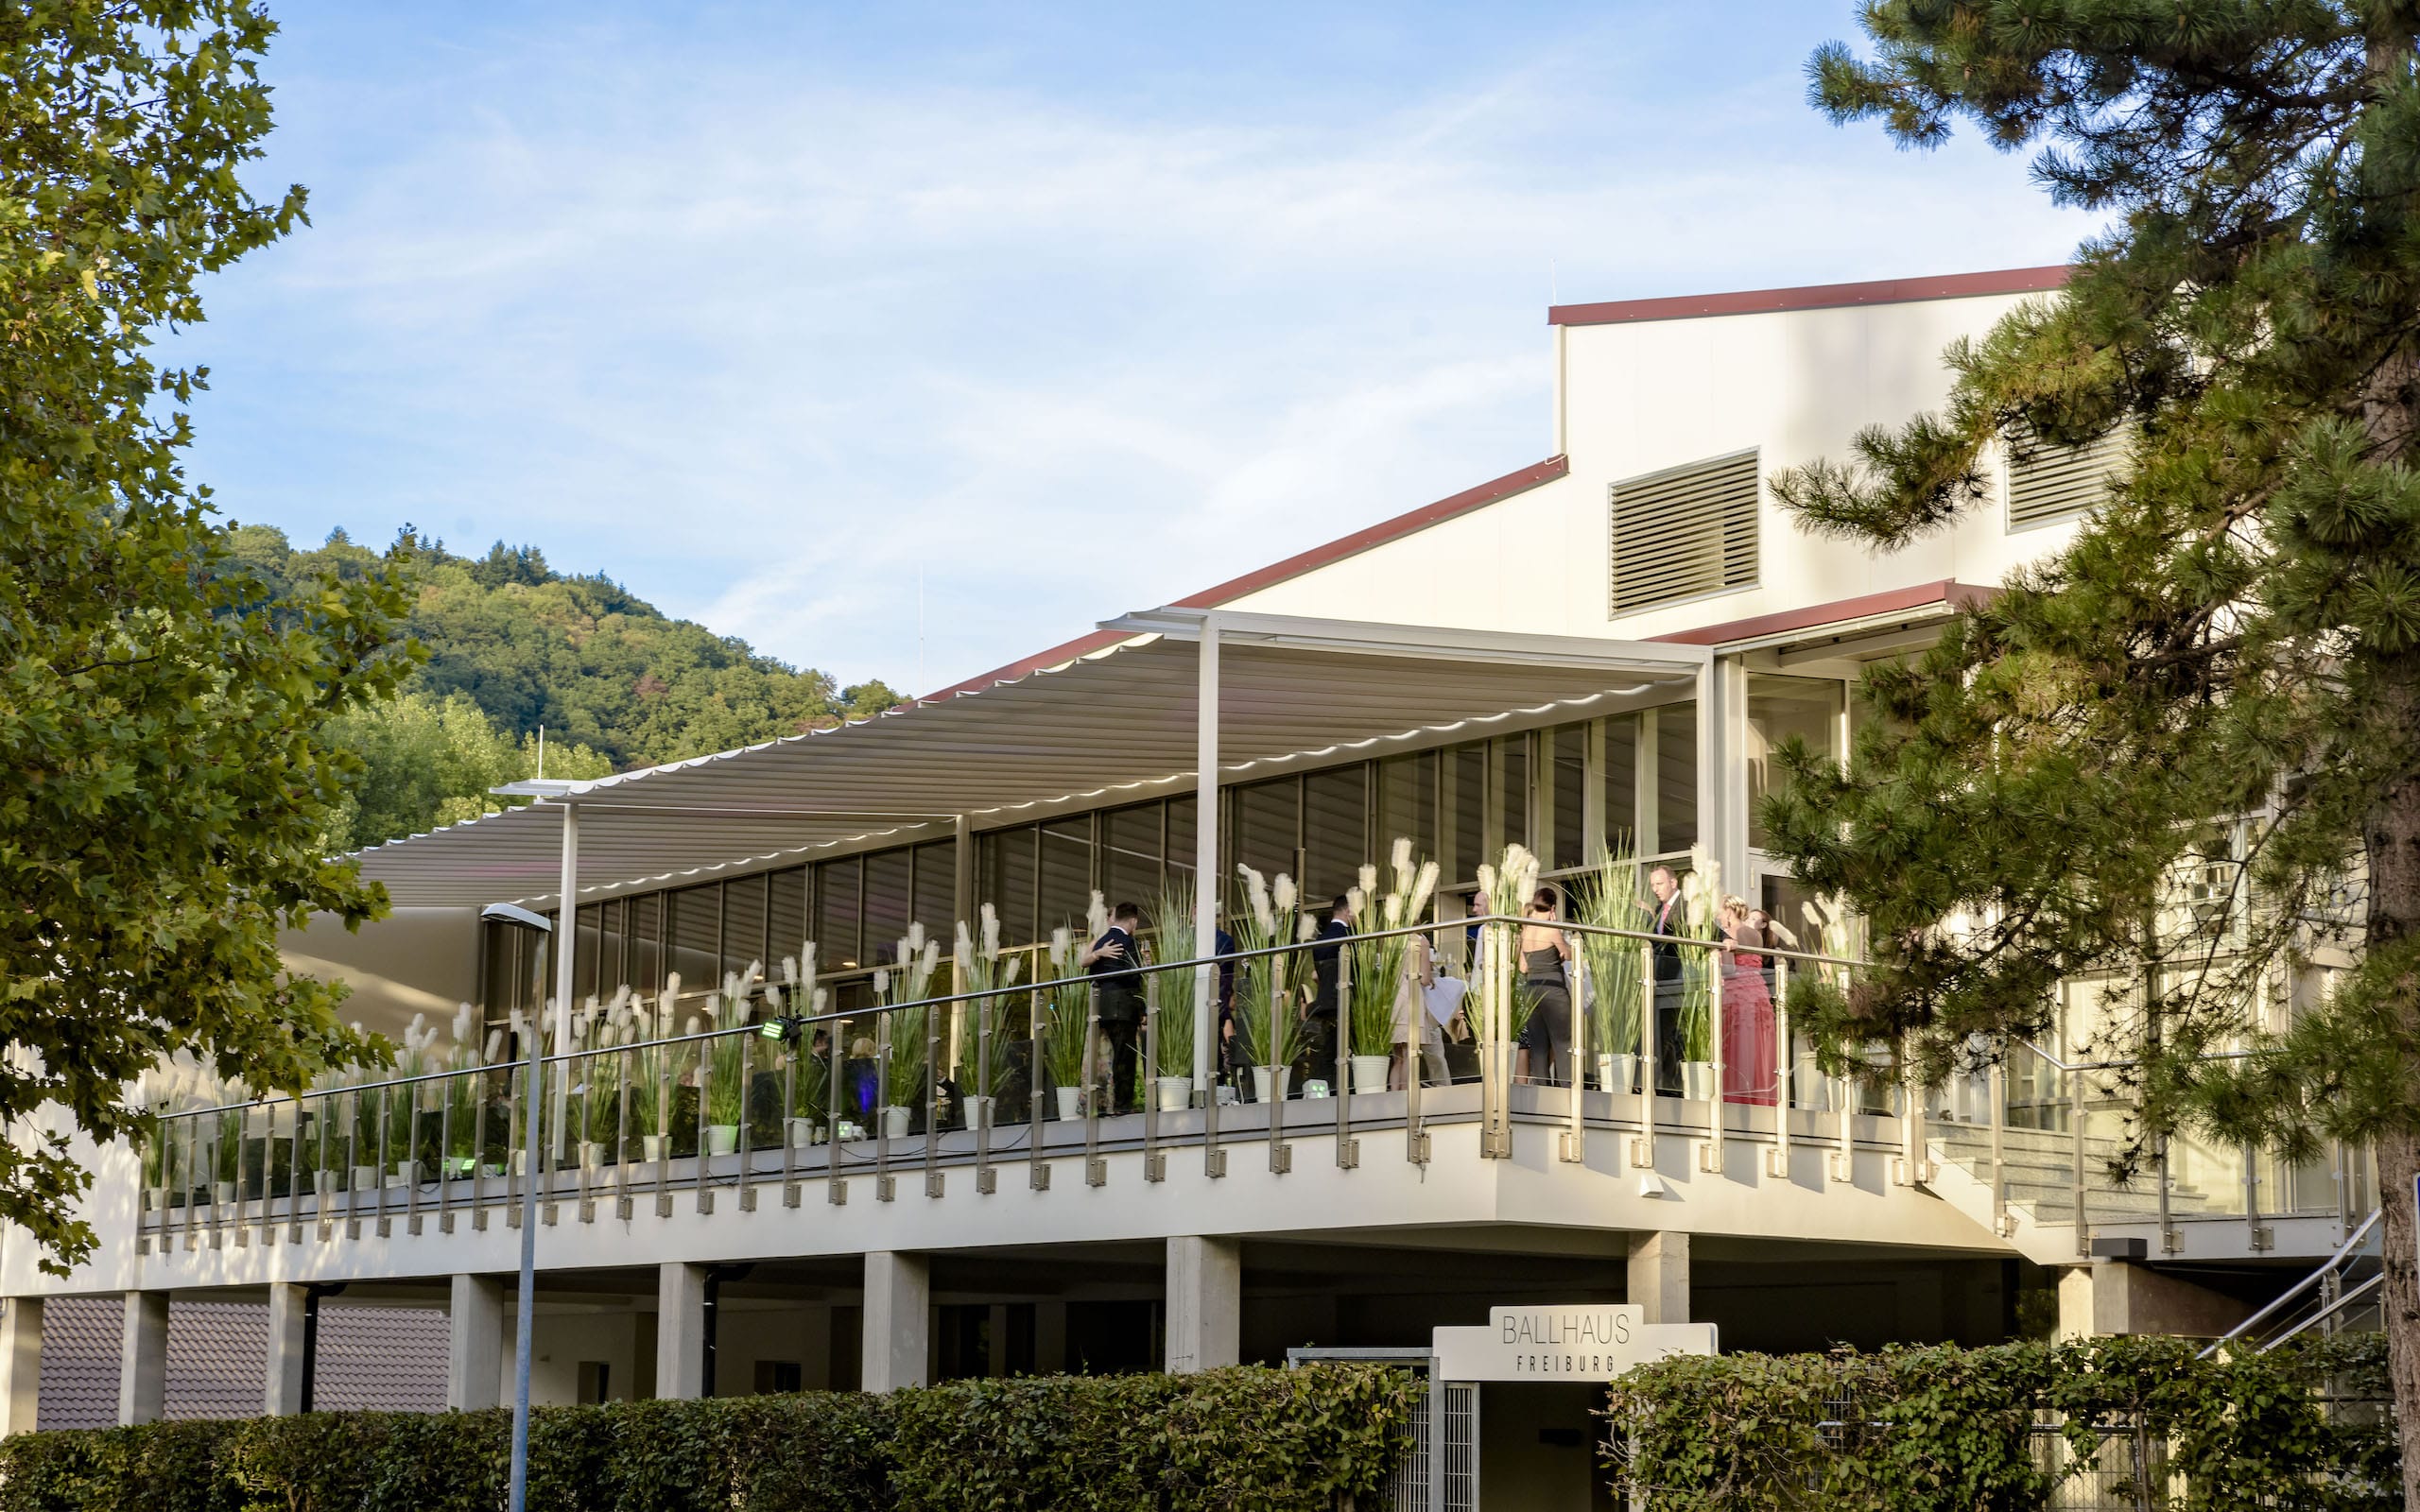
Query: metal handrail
point(2327, 1268)
point(850, 1015)
point(2329, 1311)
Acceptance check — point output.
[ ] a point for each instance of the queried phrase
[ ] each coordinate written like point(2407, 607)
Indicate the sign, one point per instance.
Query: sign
point(1586, 1341)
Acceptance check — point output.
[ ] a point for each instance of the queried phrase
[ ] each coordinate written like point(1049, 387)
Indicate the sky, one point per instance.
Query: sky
point(905, 340)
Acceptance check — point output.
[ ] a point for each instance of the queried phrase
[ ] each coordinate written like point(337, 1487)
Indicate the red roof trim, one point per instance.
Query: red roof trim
point(1812, 297)
point(1338, 550)
point(1814, 616)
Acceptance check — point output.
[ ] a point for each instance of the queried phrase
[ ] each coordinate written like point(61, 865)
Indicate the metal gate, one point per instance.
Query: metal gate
point(1439, 1468)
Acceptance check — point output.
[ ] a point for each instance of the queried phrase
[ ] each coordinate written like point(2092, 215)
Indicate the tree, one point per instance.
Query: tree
point(2220, 679)
point(430, 761)
point(165, 780)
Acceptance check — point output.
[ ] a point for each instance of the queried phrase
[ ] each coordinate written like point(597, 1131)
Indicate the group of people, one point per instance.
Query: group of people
point(1749, 1070)
point(1427, 1008)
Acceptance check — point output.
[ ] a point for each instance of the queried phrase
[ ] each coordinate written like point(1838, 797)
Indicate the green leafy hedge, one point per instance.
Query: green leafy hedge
point(2014, 1426)
point(1315, 1439)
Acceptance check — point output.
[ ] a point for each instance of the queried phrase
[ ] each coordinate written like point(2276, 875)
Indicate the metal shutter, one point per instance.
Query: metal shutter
point(1683, 531)
point(2047, 482)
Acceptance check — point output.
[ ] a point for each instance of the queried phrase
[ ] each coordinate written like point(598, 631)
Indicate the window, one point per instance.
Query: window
point(785, 917)
point(743, 925)
point(1181, 840)
point(1682, 532)
point(1129, 855)
point(1676, 777)
point(697, 936)
point(1780, 709)
point(838, 944)
point(1465, 790)
point(1567, 747)
point(937, 891)
point(2048, 482)
point(1066, 873)
point(1408, 802)
point(1621, 784)
point(1512, 794)
point(886, 905)
point(1268, 825)
point(645, 925)
point(1005, 865)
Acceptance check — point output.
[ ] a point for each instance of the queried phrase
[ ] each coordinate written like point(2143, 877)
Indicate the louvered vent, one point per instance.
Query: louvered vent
point(2049, 482)
point(1683, 531)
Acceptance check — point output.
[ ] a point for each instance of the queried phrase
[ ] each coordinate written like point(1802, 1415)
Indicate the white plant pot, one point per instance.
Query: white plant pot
point(803, 1132)
point(1370, 1073)
point(364, 1178)
point(519, 1163)
point(894, 1123)
point(1616, 1073)
point(1260, 1083)
point(651, 1146)
point(978, 1112)
point(592, 1155)
point(156, 1198)
point(721, 1139)
point(1071, 1102)
point(222, 1192)
point(1814, 1091)
point(406, 1174)
point(1696, 1080)
point(1176, 1093)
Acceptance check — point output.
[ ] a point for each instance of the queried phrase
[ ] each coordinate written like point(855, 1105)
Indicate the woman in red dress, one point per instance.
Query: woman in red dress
point(1748, 1057)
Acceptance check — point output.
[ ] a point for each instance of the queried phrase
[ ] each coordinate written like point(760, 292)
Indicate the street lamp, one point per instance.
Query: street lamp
point(524, 1308)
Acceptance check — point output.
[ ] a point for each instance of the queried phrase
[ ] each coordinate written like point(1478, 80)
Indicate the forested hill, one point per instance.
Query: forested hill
point(512, 645)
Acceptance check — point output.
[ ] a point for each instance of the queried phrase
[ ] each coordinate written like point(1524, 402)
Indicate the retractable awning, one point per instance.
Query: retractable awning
point(1290, 691)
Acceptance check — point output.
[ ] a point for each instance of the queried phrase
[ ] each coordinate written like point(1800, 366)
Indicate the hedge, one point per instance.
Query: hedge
point(1317, 1439)
point(2012, 1426)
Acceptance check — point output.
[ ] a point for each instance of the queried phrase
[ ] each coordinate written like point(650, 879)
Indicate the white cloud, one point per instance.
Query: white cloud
point(762, 347)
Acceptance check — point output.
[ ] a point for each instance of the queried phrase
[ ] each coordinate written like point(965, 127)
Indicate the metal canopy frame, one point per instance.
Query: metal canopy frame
point(1150, 714)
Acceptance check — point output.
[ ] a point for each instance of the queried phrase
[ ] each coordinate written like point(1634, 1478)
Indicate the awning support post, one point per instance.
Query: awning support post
point(1205, 896)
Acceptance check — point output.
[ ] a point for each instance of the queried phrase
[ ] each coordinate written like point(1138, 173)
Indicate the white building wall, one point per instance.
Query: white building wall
point(1647, 395)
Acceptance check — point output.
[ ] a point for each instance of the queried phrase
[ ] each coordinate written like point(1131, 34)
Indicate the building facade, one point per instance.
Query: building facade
point(1593, 656)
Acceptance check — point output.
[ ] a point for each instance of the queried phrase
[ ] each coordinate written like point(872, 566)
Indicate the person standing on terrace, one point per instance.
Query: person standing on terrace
point(1545, 955)
point(1320, 1024)
point(1115, 962)
point(1670, 915)
point(1748, 1050)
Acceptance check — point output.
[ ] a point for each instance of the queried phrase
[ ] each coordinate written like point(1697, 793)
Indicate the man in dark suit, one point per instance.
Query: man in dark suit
point(1115, 962)
point(1670, 914)
point(1318, 1058)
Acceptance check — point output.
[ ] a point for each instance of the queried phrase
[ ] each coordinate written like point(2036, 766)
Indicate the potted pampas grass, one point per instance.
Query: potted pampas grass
point(1379, 964)
point(1067, 1012)
point(981, 970)
point(725, 1063)
point(908, 982)
point(810, 1075)
point(1614, 967)
point(1265, 1014)
point(1170, 995)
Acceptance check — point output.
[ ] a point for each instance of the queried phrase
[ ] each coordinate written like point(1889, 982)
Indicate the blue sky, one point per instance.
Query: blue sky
point(766, 310)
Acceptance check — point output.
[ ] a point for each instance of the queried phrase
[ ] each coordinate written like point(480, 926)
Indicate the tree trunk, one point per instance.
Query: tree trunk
point(2392, 843)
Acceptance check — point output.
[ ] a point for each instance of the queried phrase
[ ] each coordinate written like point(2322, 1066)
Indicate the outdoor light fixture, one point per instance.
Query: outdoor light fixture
point(525, 1304)
point(783, 1028)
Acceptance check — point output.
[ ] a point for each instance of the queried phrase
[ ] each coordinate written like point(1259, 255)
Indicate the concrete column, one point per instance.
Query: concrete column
point(897, 1320)
point(475, 1343)
point(2116, 1296)
point(1049, 1338)
point(681, 1331)
point(20, 1363)
point(1659, 1276)
point(142, 1359)
point(282, 1383)
point(1205, 1290)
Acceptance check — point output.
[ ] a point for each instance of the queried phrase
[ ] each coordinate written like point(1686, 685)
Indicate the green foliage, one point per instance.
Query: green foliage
point(165, 775)
point(1312, 1439)
point(513, 645)
point(1610, 897)
point(429, 762)
point(1171, 993)
point(2014, 1426)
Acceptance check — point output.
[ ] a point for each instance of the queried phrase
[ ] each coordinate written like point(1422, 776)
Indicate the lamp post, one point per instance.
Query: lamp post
point(525, 1301)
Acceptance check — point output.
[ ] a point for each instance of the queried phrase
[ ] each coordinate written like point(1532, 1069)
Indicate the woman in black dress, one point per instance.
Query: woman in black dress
point(1545, 955)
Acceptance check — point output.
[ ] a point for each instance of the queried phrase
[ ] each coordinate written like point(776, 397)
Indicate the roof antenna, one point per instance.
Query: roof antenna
point(920, 626)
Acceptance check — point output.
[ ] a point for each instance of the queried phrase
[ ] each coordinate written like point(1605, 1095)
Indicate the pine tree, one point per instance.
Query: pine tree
point(2220, 676)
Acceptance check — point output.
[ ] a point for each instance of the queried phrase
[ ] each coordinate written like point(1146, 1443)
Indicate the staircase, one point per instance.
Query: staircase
point(2038, 1177)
